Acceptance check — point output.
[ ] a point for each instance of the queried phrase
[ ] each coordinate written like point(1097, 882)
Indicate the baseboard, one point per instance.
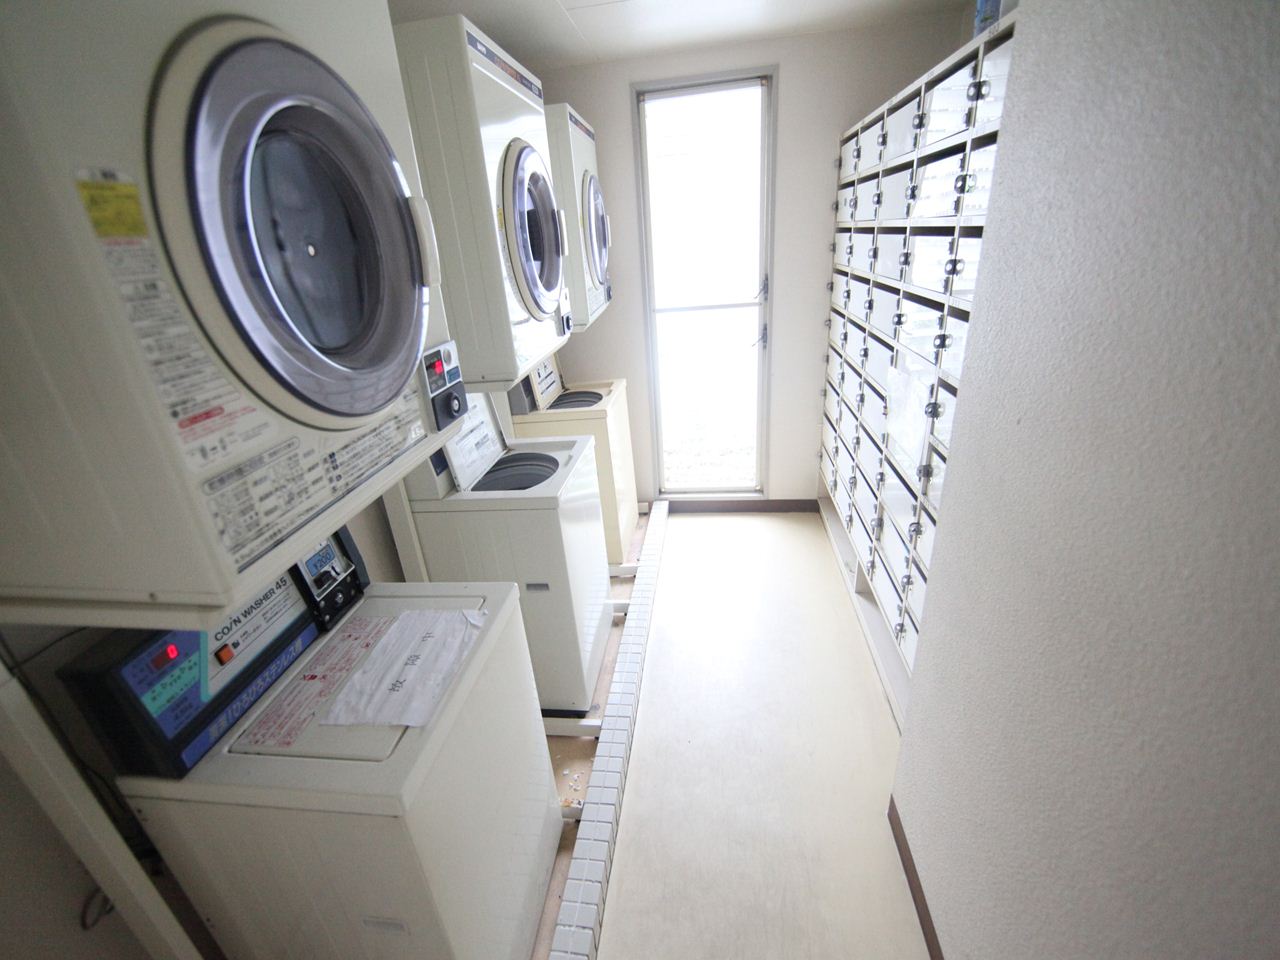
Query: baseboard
point(913, 882)
point(747, 505)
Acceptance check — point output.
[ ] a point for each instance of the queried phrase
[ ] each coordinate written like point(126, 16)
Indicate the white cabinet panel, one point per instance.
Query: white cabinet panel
point(992, 87)
point(946, 106)
point(900, 131)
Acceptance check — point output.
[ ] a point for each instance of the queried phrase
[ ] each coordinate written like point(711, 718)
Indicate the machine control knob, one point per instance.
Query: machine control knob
point(455, 404)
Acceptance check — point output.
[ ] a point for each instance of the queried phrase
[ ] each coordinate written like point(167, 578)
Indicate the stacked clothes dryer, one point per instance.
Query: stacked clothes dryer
point(541, 406)
point(527, 511)
point(573, 164)
point(216, 302)
point(481, 138)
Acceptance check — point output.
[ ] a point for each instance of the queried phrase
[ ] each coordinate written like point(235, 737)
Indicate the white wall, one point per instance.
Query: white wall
point(825, 84)
point(43, 886)
point(372, 534)
point(1090, 766)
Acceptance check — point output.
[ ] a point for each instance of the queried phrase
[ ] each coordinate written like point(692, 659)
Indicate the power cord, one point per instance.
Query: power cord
point(96, 906)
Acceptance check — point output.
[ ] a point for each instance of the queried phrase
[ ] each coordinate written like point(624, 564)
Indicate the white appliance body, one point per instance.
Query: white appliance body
point(548, 538)
point(200, 374)
point(577, 412)
point(573, 165)
point(469, 104)
point(334, 842)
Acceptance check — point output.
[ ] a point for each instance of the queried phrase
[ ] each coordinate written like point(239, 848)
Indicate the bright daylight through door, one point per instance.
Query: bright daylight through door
point(704, 175)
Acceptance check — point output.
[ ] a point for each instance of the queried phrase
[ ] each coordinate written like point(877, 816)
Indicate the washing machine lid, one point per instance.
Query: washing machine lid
point(477, 445)
point(576, 400)
point(546, 383)
point(289, 223)
point(291, 724)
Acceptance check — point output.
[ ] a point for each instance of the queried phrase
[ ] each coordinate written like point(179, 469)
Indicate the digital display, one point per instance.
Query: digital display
point(165, 678)
point(320, 559)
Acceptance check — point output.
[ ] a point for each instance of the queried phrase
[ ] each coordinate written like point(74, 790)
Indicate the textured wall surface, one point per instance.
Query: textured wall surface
point(372, 534)
point(43, 887)
point(825, 83)
point(1089, 767)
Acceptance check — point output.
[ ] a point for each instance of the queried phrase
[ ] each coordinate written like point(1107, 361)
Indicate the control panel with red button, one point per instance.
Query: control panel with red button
point(161, 700)
point(442, 385)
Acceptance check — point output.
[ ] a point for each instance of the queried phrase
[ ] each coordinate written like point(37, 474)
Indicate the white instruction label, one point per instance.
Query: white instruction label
point(294, 708)
point(260, 501)
point(412, 667)
point(210, 416)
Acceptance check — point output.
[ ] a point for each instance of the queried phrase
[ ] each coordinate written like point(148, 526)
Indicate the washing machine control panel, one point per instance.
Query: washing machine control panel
point(442, 384)
point(161, 700)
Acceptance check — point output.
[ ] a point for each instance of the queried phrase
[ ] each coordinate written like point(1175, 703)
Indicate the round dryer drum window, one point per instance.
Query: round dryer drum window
point(532, 225)
point(302, 219)
point(597, 229)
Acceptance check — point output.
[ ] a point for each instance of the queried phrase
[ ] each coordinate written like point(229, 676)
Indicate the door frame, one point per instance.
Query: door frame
point(768, 164)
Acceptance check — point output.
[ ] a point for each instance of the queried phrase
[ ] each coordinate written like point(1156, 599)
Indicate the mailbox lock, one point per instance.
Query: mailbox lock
point(978, 90)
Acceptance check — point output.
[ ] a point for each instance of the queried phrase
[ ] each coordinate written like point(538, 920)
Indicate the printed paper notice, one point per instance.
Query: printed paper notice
point(409, 671)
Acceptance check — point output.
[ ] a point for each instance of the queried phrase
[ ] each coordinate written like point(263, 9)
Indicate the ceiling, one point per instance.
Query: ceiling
point(548, 34)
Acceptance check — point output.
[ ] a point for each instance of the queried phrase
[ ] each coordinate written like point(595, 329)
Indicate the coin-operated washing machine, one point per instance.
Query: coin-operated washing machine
point(482, 145)
point(527, 511)
point(541, 406)
point(217, 271)
point(340, 770)
point(573, 165)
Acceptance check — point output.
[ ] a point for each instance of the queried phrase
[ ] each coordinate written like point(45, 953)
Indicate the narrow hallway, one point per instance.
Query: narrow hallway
point(754, 824)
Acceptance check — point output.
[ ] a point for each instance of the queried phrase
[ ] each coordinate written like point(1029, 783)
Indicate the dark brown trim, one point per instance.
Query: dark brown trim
point(749, 505)
point(913, 881)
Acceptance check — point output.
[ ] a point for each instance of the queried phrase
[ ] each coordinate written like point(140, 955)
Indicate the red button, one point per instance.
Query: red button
point(224, 654)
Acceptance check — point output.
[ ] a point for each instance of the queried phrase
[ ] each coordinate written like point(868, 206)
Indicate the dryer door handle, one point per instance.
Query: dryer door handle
point(426, 229)
point(561, 233)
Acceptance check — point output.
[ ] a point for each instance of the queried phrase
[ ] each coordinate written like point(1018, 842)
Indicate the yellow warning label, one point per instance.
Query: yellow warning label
point(115, 208)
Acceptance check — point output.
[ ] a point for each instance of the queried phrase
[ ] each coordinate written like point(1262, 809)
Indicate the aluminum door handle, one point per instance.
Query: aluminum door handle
point(425, 227)
point(561, 233)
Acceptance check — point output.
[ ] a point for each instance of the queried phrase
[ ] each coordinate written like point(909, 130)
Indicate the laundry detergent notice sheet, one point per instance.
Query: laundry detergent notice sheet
point(409, 669)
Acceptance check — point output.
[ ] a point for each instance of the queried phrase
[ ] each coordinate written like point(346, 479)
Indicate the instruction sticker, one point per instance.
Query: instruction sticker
point(257, 503)
point(114, 206)
point(211, 418)
point(293, 710)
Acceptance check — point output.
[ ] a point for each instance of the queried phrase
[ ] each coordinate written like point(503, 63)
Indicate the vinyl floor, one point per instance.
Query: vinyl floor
point(753, 822)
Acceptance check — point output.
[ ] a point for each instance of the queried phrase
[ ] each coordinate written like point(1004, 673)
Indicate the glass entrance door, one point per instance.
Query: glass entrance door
point(703, 151)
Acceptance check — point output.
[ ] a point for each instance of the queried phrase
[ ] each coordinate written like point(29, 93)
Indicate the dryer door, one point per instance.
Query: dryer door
point(535, 239)
point(289, 225)
point(597, 229)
